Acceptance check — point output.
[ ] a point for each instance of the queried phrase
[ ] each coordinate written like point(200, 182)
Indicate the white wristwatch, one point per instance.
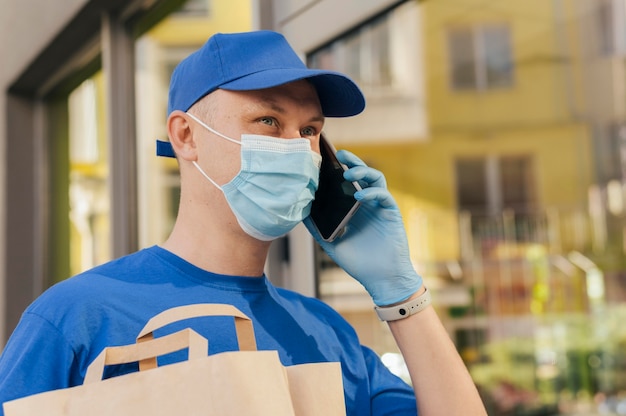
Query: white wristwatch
point(404, 310)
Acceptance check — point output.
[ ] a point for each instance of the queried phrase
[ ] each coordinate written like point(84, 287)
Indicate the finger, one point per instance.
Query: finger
point(310, 226)
point(379, 195)
point(349, 159)
point(366, 175)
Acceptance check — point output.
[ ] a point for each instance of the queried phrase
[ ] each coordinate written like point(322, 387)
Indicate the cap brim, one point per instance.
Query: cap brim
point(339, 95)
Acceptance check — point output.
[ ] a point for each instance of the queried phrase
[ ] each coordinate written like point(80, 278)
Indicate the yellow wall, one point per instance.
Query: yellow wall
point(542, 90)
point(426, 170)
point(225, 16)
point(535, 118)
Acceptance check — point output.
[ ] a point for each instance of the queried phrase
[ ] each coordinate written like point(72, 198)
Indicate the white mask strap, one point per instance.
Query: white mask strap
point(207, 176)
point(211, 130)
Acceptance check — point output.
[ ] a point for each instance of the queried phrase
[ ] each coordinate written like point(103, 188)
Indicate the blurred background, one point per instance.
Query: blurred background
point(500, 126)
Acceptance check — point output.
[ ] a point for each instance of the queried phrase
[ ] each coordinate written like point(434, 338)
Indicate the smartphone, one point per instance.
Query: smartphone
point(334, 202)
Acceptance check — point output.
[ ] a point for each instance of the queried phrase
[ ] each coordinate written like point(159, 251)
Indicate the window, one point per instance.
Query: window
point(88, 178)
point(495, 197)
point(480, 57)
point(471, 185)
point(385, 57)
point(516, 182)
point(363, 54)
point(486, 186)
point(611, 21)
point(382, 54)
point(610, 152)
point(194, 8)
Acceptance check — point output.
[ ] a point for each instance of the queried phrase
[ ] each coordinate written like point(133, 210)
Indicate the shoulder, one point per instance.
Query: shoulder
point(80, 306)
point(132, 268)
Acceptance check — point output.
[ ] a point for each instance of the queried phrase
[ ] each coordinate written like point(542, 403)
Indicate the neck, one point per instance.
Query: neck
point(209, 242)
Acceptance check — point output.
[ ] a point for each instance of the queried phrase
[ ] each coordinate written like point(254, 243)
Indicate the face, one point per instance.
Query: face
point(287, 111)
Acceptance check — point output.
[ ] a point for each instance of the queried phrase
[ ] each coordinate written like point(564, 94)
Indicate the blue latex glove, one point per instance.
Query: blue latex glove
point(374, 248)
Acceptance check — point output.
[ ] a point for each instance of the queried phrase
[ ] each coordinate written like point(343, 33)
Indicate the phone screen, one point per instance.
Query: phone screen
point(334, 202)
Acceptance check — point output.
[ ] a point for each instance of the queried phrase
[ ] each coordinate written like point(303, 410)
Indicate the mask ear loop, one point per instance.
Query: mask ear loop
point(212, 130)
point(217, 133)
point(206, 176)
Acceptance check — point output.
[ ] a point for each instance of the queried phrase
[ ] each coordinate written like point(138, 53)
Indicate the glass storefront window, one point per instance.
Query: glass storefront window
point(80, 217)
point(508, 166)
point(89, 195)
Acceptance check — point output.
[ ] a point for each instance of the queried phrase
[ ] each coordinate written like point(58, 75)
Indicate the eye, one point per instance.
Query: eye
point(308, 131)
point(268, 121)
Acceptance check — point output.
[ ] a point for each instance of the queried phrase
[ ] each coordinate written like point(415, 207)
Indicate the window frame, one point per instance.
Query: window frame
point(99, 35)
point(479, 60)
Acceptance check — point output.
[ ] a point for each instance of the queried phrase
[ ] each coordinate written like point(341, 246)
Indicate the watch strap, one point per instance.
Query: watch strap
point(404, 310)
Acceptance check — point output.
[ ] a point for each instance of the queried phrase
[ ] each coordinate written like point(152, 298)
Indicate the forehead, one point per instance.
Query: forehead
point(297, 95)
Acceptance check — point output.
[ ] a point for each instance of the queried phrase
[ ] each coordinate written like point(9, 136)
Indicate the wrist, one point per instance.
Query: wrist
point(418, 293)
point(392, 291)
point(414, 304)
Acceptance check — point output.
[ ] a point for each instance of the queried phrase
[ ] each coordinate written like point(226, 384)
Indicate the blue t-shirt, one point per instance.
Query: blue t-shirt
point(64, 330)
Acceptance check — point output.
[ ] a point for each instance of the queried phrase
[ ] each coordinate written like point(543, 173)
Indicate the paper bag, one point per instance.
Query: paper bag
point(246, 382)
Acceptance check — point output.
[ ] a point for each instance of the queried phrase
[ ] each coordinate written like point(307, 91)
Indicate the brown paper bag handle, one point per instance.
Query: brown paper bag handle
point(186, 338)
point(243, 325)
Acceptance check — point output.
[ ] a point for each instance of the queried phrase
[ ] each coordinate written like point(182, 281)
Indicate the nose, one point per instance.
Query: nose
point(315, 144)
point(295, 133)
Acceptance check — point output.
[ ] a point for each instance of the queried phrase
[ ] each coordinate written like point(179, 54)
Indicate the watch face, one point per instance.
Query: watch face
point(393, 313)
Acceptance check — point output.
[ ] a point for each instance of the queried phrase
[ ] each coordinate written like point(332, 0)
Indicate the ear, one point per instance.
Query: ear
point(181, 136)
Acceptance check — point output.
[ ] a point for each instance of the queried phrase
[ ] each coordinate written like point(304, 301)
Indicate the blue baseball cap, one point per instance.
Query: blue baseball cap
point(253, 61)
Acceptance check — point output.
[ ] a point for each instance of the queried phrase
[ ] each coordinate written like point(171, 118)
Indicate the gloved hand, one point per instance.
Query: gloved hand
point(374, 248)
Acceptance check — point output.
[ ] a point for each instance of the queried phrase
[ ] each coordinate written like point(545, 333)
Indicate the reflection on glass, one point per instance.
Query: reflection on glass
point(88, 187)
point(512, 193)
point(362, 54)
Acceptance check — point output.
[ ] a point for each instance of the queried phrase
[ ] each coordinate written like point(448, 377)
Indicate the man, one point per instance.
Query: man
point(245, 117)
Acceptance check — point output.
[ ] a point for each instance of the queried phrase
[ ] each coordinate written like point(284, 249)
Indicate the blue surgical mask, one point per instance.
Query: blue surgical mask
point(274, 189)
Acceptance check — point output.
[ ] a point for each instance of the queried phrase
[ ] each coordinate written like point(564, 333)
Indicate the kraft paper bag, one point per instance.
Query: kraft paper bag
point(245, 382)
